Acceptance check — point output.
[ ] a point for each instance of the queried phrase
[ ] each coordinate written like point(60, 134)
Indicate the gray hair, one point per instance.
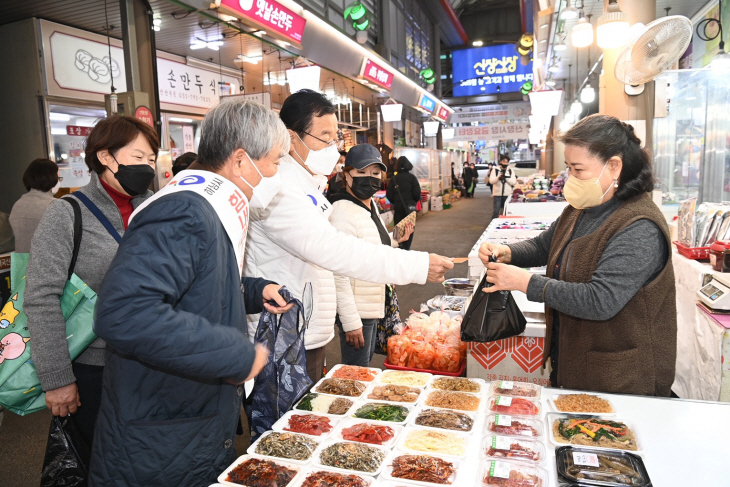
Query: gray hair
point(240, 124)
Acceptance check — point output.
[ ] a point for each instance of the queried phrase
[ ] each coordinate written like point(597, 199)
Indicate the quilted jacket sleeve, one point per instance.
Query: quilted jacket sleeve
point(344, 221)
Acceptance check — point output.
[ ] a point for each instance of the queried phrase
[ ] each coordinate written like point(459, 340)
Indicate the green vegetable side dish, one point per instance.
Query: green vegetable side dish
point(306, 403)
point(382, 412)
point(618, 429)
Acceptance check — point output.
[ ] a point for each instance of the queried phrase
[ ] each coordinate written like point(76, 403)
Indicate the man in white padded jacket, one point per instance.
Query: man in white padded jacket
point(292, 242)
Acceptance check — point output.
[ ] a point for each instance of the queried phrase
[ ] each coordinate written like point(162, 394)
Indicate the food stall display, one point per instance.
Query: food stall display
point(467, 432)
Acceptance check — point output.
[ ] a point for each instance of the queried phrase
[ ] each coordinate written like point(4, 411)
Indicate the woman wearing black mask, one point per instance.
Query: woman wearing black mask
point(360, 304)
point(120, 153)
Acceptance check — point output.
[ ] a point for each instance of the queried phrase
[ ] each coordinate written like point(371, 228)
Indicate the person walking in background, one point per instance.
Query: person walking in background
point(503, 180)
point(403, 192)
point(42, 182)
point(183, 162)
point(468, 178)
point(454, 178)
point(121, 152)
point(360, 304)
point(475, 178)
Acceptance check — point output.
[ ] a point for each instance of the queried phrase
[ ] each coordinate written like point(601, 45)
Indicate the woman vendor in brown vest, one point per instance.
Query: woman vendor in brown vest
point(609, 291)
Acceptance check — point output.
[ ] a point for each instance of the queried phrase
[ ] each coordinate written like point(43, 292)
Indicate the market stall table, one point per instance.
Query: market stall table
point(551, 209)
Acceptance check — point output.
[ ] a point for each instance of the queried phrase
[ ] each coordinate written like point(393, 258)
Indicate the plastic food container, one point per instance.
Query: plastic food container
point(430, 396)
point(514, 406)
point(252, 449)
point(242, 459)
point(514, 389)
point(460, 286)
point(551, 418)
point(374, 371)
point(518, 427)
point(412, 392)
point(398, 377)
point(417, 412)
point(369, 481)
point(387, 473)
point(357, 407)
point(555, 408)
point(434, 384)
point(283, 423)
point(589, 467)
point(318, 460)
point(495, 472)
point(357, 383)
point(496, 447)
point(461, 439)
point(328, 396)
point(350, 422)
point(720, 256)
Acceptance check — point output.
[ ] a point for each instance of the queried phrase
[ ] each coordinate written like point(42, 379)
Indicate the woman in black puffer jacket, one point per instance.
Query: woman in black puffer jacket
point(403, 192)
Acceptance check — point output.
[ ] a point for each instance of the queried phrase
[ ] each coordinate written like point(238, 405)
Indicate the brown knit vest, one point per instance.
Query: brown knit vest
point(634, 352)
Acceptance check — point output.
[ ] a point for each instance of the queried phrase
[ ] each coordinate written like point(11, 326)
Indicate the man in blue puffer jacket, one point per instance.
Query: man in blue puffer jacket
point(173, 311)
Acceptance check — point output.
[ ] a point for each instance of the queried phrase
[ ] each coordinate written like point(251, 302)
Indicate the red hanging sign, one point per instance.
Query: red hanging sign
point(442, 113)
point(270, 15)
point(377, 74)
point(143, 113)
point(78, 131)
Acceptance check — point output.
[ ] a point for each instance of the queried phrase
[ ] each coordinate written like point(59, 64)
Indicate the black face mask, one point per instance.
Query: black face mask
point(364, 187)
point(134, 179)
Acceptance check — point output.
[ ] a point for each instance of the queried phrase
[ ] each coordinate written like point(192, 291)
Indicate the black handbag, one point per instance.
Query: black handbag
point(491, 316)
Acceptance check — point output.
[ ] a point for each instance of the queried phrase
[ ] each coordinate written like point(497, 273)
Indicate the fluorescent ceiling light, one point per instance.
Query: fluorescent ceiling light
point(198, 44)
point(59, 117)
point(58, 131)
point(250, 59)
point(157, 22)
point(183, 120)
point(477, 43)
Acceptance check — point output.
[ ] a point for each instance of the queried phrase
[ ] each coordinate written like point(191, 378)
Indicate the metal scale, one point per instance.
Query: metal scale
point(716, 293)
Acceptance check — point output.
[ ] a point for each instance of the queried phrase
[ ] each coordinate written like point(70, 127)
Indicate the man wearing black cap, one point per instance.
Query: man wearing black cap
point(360, 304)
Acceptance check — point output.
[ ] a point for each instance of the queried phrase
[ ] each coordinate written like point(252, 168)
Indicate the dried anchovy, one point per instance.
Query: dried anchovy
point(332, 479)
point(422, 468)
point(352, 456)
point(255, 472)
point(342, 387)
point(450, 420)
point(460, 384)
point(339, 406)
point(286, 445)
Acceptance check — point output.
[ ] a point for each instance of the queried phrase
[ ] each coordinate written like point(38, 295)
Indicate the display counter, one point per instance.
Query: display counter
point(551, 209)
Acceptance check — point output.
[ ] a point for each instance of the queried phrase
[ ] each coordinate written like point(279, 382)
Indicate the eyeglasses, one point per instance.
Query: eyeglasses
point(339, 143)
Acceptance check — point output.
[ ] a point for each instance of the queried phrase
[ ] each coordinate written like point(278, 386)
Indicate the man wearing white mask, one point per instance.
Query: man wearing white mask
point(293, 242)
point(172, 309)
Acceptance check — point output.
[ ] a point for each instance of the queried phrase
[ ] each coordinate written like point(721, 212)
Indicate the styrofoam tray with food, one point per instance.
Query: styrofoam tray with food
point(443, 419)
point(394, 393)
point(592, 431)
point(517, 426)
point(382, 411)
point(314, 424)
point(354, 372)
point(247, 465)
point(514, 389)
point(460, 401)
point(497, 447)
point(591, 404)
point(317, 476)
point(336, 406)
point(340, 387)
point(514, 406)
point(405, 378)
point(351, 457)
point(369, 432)
point(470, 385)
point(431, 441)
point(287, 447)
point(424, 470)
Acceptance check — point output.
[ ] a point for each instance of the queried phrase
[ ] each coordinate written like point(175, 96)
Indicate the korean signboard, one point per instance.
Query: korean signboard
point(427, 103)
point(489, 70)
point(182, 84)
point(75, 130)
point(442, 113)
point(377, 74)
point(270, 15)
point(491, 113)
point(502, 131)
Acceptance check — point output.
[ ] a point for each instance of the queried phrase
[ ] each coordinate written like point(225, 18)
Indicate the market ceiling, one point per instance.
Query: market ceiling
point(179, 27)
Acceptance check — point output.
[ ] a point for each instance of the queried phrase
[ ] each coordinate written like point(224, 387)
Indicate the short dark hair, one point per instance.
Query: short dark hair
point(183, 161)
point(605, 137)
point(503, 157)
point(113, 133)
point(41, 174)
point(301, 107)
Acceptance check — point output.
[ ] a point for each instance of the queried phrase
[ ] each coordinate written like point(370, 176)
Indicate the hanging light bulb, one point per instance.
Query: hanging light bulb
point(568, 12)
point(554, 68)
point(613, 27)
point(721, 61)
point(576, 108)
point(561, 45)
point(570, 117)
point(550, 81)
point(582, 32)
point(587, 94)
point(565, 125)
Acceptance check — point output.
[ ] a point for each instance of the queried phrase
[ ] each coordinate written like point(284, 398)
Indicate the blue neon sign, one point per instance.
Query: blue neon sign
point(489, 70)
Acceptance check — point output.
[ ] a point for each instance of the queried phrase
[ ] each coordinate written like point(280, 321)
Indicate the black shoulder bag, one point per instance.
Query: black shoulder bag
point(491, 316)
point(409, 208)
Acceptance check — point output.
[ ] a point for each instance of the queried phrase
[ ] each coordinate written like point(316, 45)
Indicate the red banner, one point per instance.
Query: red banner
point(377, 74)
point(78, 131)
point(270, 15)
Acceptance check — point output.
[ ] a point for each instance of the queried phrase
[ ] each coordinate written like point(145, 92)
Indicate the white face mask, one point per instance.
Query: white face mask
point(320, 161)
point(265, 191)
point(55, 189)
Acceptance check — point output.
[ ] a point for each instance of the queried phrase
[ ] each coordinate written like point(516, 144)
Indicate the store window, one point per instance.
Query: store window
point(411, 48)
point(183, 134)
point(69, 128)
